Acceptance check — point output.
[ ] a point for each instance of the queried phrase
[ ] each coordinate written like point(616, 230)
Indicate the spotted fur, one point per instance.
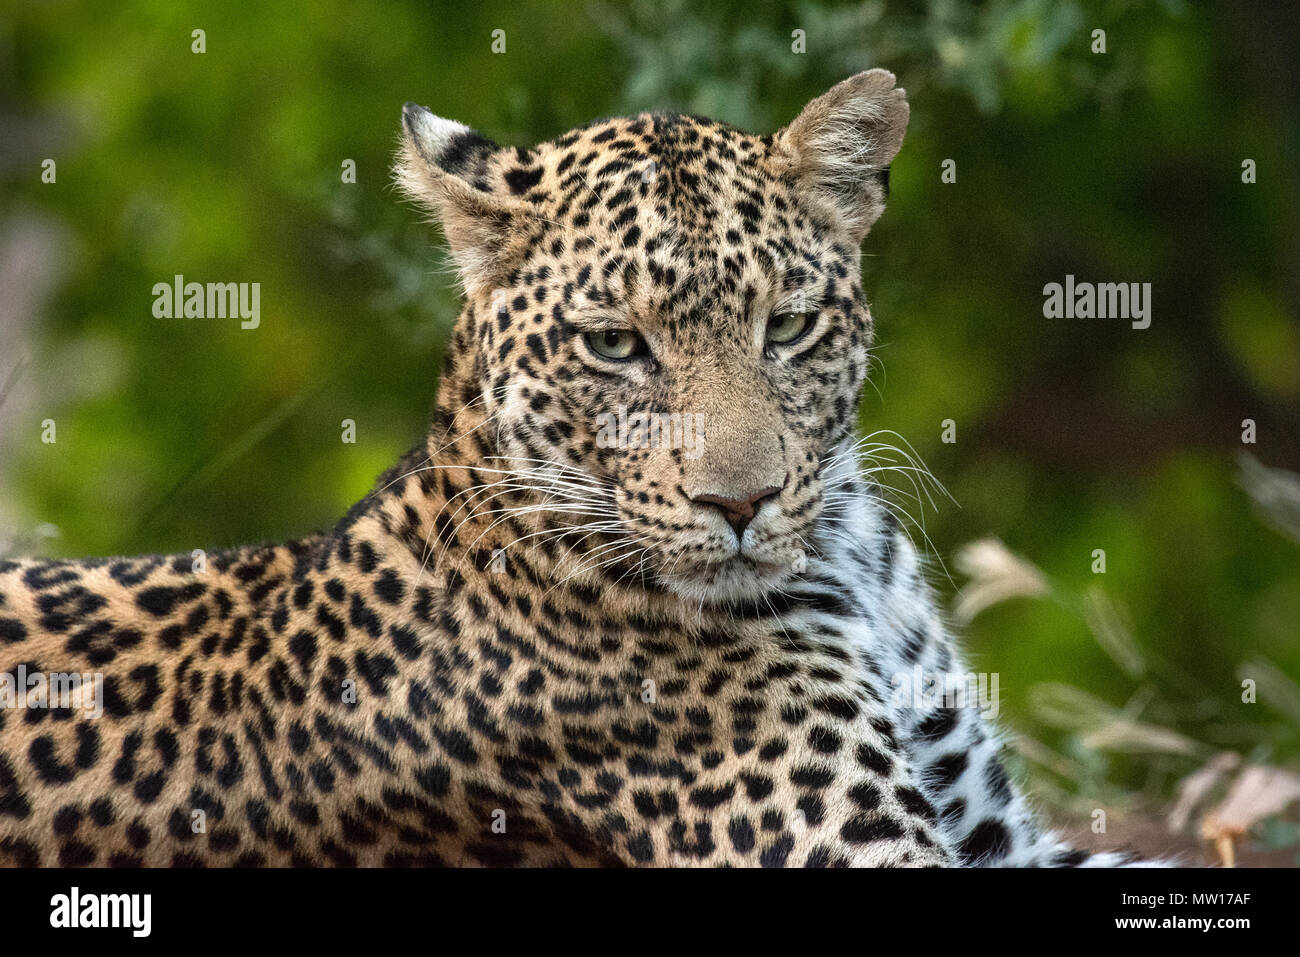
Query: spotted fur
point(527, 646)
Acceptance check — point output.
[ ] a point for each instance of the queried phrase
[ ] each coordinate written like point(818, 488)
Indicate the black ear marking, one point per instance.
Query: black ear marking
point(467, 152)
point(884, 180)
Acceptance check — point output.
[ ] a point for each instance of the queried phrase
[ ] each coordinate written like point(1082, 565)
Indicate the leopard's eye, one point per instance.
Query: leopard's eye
point(786, 327)
point(617, 345)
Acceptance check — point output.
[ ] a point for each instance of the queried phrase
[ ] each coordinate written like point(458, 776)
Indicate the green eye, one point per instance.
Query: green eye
point(786, 327)
point(617, 345)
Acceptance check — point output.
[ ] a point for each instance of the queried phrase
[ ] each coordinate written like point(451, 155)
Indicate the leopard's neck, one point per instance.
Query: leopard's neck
point(458, 517)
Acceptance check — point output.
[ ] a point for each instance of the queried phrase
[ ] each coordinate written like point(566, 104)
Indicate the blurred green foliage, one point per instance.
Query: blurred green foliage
point(1072, 435)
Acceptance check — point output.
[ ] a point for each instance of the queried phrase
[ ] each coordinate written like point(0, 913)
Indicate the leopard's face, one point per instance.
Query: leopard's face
point(671, 311)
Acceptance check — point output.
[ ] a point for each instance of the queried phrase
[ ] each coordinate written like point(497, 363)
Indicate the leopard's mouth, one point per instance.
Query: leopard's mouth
point(736, 578)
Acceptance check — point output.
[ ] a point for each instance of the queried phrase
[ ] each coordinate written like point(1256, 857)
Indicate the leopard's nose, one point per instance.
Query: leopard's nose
point(738, 512)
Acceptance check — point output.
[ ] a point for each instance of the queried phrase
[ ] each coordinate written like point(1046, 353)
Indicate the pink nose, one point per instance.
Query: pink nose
point(738, 511)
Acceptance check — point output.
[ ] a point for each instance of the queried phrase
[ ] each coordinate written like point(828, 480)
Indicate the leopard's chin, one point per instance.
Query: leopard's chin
point(735, 580)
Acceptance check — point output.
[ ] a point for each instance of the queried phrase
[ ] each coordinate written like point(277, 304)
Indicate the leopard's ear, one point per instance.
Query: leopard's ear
point(840, 147)
point(446, 167)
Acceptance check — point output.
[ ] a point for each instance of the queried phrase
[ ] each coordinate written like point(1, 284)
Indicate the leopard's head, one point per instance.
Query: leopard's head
point(670, 311)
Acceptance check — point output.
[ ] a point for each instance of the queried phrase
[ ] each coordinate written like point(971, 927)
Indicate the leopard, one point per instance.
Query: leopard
point(632, 601)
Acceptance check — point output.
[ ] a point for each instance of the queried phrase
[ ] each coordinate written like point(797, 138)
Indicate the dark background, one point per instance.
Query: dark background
point(1072, 435)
